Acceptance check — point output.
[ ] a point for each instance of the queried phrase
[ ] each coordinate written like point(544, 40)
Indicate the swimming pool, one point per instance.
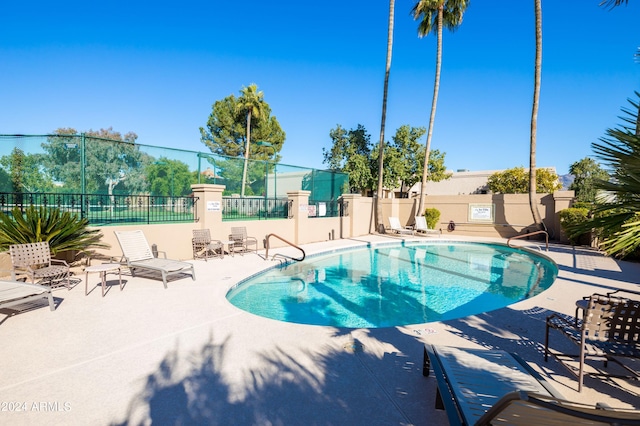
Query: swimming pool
point(392, 285)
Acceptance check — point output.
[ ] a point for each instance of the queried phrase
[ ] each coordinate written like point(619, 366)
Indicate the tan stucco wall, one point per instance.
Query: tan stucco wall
point(512, 213)
point(512, 217)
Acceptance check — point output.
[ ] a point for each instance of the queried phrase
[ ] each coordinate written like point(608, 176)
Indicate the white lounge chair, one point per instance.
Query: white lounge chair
point(394, 224)
point(421, 226)
point(138, 255)
point(14, 293)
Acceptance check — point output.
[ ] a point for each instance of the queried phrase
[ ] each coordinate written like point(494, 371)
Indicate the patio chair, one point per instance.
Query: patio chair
point(204, 247)
point(421, 226)
point(394, 224)
point(14, 293)
point(609, 329)
point(138, 255)
point(35, 261)
point(470, 381)
point(530, 409)
point(242, 242)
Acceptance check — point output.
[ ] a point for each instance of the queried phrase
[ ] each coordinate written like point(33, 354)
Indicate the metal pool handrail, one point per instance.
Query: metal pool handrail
point(266, 254)
point(546, 236)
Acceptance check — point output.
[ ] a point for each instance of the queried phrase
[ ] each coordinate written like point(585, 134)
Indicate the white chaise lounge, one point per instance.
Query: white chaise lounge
point(394, 224)
point(138, 255)
point(14, 293)
point(421, 226)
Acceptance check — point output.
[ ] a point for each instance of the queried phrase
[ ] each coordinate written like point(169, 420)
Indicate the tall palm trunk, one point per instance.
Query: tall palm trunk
point(533, 202)
point(379, 220)
point(432, 117)
point(246, 153)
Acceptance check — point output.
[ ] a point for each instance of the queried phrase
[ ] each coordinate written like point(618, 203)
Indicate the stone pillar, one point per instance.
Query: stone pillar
point(299, 202)
point(562, 200)
point(209, 207)
point(352, 212)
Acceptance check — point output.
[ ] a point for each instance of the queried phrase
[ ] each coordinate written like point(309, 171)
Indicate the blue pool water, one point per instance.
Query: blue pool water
point(395, 285)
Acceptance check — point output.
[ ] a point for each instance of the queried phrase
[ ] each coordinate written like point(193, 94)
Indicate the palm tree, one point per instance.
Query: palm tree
point(616, 217)
point(250, 102)
point(533, 203)
point(613, 3)
point(433, 15)
point(379, 224)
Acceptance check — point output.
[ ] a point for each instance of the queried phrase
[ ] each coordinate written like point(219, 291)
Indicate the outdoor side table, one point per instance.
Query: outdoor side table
point(229, 244)
point(103, 269)
point(214, 246)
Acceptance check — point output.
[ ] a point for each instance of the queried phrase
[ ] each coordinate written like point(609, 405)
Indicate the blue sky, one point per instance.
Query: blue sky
point(155, 68)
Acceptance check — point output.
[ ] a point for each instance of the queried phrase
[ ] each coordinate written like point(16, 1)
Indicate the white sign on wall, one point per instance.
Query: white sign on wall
point(481, 213)
point(213, 206)
point(322, 209)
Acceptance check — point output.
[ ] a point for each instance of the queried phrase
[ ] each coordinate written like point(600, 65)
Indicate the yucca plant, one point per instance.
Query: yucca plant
point(63, 230)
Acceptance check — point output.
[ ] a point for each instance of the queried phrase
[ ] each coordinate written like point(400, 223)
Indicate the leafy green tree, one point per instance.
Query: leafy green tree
point(433, 15)
point(616, 217)
point(381, 143)
point(393, 166)
point(586, 172)
point(231, 132)
point(111, 161)
point(404, 159)
point(170, 177)
point(411, 154)
point(516, 181)
point(24, 173)
point(5, 181)
point(351, 153)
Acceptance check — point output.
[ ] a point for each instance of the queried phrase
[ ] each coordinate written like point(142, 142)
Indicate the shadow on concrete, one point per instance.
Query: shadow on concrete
point(523, 332)
point(590, 262)
point(347, 385)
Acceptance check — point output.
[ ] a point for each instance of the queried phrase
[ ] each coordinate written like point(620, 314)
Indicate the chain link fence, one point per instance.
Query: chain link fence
point(120, 172)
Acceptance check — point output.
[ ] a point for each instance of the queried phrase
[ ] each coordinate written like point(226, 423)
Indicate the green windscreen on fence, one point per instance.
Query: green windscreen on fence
point(82, 164)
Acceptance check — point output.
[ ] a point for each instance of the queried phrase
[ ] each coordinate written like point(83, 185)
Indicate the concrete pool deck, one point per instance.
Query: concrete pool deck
point(185, 355)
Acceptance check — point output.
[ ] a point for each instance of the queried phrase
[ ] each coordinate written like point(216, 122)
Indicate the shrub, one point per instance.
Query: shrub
point(571, 217)
point(516, 181)
point(432, 216)
point(64, 231)
point(582, 205)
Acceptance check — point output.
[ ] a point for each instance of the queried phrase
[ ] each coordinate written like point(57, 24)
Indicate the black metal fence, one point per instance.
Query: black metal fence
point(104, 209)
point(254, 208)
point(330, 208)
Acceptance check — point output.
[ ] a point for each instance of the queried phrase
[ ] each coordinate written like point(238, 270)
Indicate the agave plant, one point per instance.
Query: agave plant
point(64, 231)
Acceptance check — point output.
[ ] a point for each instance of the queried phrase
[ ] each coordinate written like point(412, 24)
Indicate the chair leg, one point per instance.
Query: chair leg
point(439, 402)
point(52, 305)
point(546, 344)
point(426, 363)
point(164, 279)
point(581, 367)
